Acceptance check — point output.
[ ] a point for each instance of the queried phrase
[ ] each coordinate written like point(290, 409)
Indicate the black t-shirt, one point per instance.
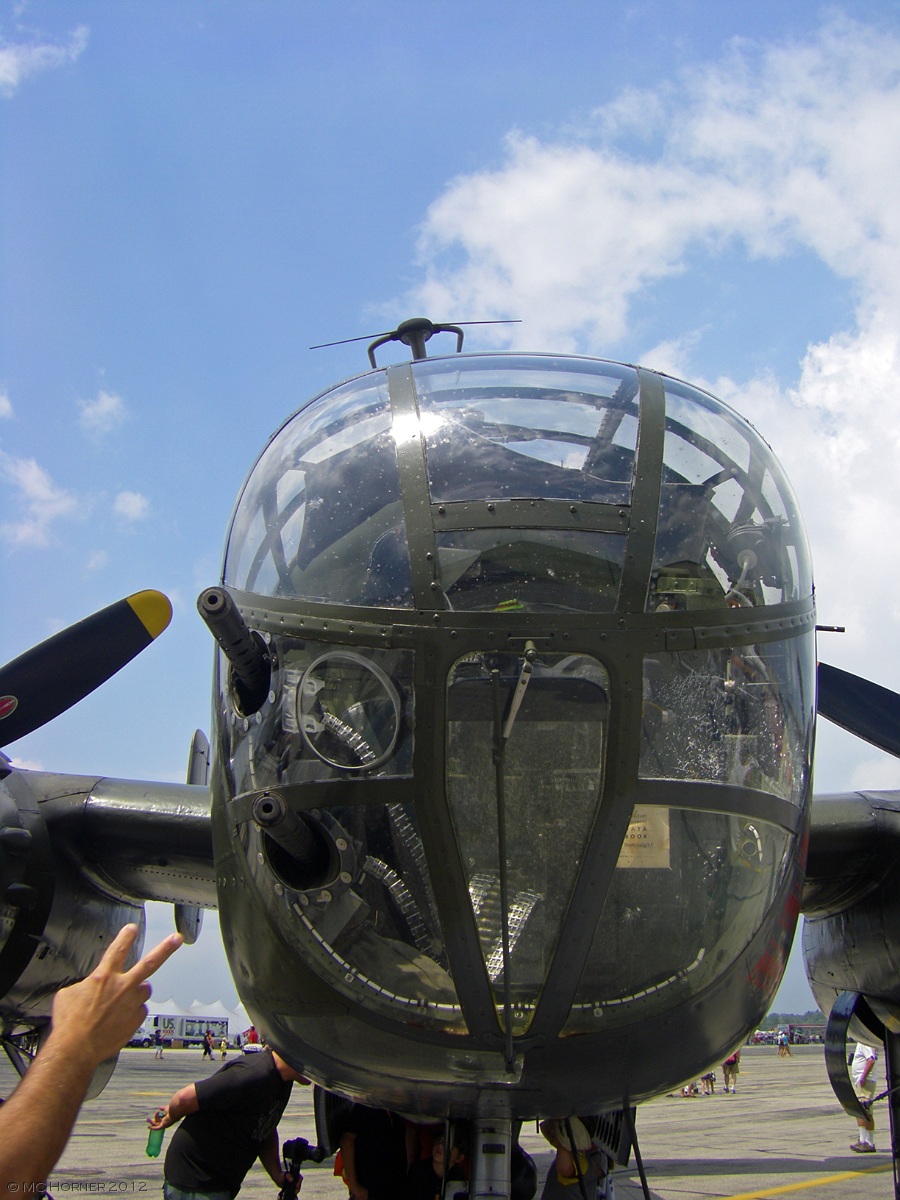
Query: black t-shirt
point(214, 1148)
point(379, 1151)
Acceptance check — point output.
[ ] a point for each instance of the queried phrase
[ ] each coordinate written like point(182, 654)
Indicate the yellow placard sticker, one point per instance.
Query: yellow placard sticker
point(647, 840)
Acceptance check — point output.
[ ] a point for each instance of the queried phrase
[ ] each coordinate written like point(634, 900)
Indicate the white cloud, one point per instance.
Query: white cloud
point(6, 408)
point(96, 562)
point(102, 414)
point(780, 150)
point(39, 500)
point(876, 773)
point(131, 505)
point(21, 60)
point(26, 764)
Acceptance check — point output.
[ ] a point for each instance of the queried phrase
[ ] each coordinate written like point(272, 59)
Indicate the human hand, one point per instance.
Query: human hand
point(99, 1014)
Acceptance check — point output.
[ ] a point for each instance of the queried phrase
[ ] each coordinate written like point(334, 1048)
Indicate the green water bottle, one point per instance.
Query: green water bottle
point(155, 1139)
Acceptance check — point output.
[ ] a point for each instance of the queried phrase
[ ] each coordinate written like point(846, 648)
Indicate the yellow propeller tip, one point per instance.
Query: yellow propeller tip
point(152, 609)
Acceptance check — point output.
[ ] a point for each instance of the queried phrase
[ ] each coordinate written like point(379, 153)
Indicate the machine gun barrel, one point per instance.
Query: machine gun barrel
point(291, 833)
point(250, 663)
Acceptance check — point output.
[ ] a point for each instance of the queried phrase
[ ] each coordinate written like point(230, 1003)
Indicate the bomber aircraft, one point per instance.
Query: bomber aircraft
point(508, 807)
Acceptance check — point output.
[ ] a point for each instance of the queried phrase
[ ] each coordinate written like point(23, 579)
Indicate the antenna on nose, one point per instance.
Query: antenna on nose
point(413, 333)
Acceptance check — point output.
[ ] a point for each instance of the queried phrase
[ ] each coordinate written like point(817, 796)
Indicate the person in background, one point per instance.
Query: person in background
point(90, 1022)
point(730, 1068)
point(862, 1072)
point(228, 1120)
point(592, 1166)
point(424, 1180)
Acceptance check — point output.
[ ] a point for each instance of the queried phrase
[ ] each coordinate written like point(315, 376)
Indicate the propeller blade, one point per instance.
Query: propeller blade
point(51, 677)
point(866, 709)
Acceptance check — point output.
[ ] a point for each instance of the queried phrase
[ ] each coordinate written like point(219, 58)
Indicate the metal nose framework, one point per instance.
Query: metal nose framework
point(485, 584)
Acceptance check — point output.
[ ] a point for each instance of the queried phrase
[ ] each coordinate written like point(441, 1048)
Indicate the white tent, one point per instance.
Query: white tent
point(166, 1008)
point(241, 1018)
point(215, 1008)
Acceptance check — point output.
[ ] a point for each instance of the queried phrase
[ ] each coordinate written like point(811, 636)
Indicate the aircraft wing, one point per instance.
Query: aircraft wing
point(136, 841)
point(851, 894)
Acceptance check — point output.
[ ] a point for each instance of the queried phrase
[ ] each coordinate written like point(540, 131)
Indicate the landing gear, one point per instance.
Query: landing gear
point(847, 1006)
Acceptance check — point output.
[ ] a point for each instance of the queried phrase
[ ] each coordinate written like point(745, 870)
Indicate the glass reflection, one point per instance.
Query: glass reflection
point(547, 570)
point(320, 516)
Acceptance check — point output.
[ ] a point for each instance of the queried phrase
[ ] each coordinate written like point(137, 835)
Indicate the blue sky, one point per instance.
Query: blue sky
point(196, 192)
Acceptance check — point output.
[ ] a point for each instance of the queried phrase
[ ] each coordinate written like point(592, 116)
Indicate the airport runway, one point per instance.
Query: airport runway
point(782, 1134)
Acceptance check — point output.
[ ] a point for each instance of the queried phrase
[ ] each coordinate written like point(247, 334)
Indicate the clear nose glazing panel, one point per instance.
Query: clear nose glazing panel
point(320, 516)
point(551, 717)
point(506, 427)
point(729, 533)
point(686, 900)
point(352, 888)
point(335, 713)
point(528, 427)
point(374, 930)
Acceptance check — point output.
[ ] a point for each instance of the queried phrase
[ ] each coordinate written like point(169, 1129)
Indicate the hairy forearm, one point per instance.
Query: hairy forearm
point(36, 1121)
point(270, 1158)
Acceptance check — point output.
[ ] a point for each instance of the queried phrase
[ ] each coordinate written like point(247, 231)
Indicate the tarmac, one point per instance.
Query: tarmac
point(781, 1134)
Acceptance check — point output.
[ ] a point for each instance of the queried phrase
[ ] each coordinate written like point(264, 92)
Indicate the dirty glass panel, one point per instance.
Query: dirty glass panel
point(740, 715)
point(375, 930)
